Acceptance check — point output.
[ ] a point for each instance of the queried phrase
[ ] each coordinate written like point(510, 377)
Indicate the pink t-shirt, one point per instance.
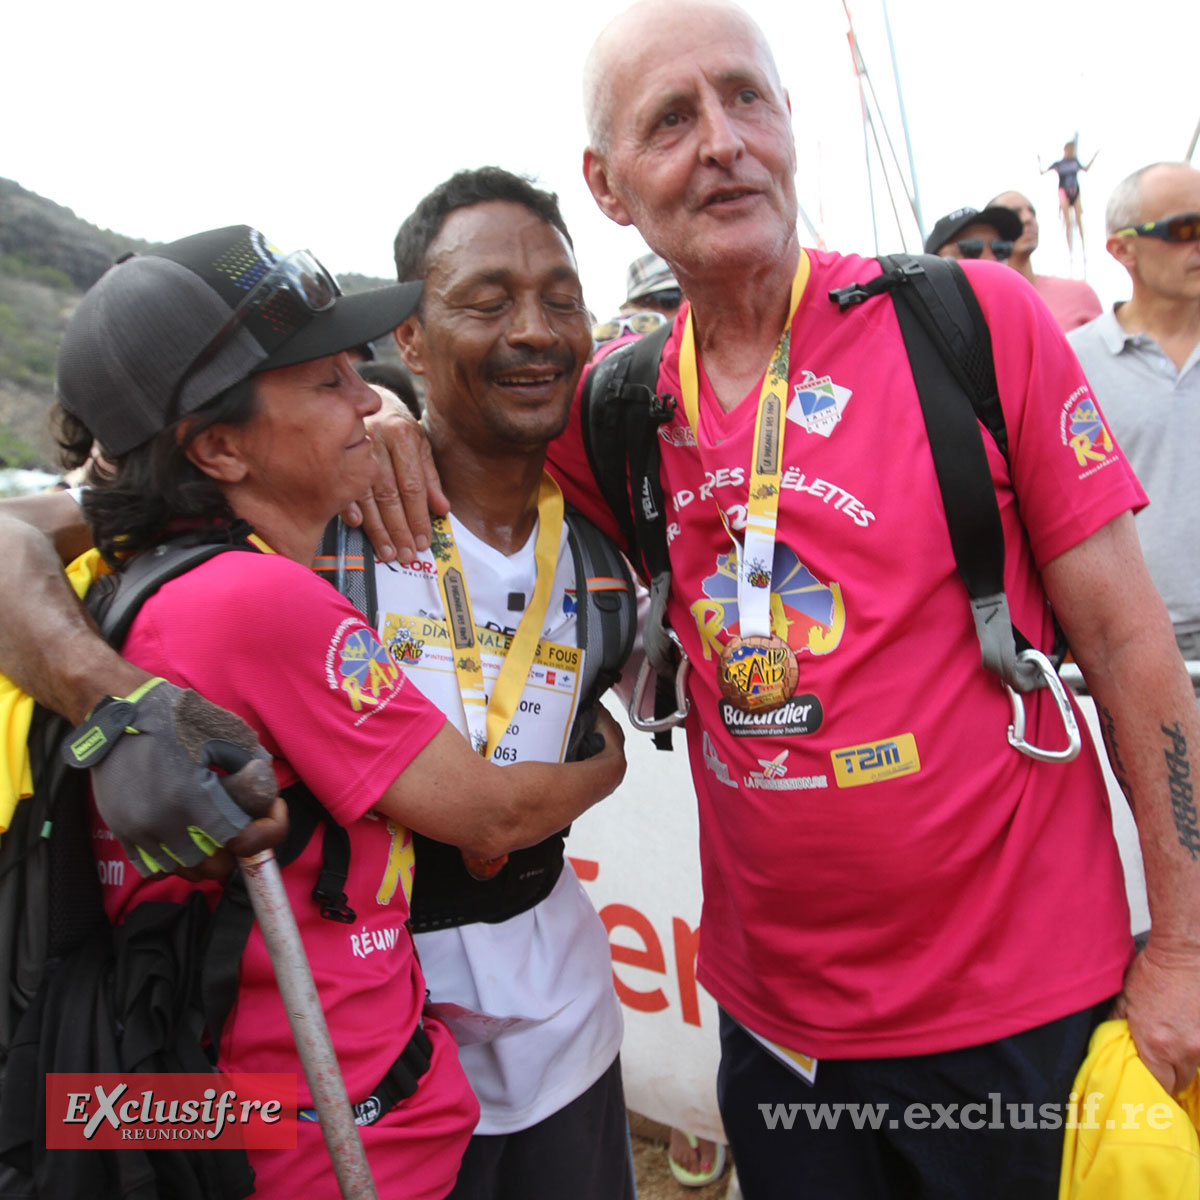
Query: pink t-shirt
point(883, 874)
point(262, 636)
point(1071, 301)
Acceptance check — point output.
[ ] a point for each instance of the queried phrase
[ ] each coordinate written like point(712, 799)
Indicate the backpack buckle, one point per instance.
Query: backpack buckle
point(662, 408)
point(1016, 731)
point(641, 683)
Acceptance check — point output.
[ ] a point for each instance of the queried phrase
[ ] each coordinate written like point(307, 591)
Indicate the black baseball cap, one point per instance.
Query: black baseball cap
point(1003, 220)
point(163, 333)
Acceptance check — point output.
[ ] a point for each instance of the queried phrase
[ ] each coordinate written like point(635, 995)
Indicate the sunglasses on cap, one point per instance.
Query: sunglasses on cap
point(639, 323)
point(1183, 228)
point(973, 247)
point(293, 291)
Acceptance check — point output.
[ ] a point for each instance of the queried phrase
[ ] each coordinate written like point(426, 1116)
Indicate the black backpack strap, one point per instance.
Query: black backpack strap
point(347, 559)
point(621, 411)
point(949, 349)
point(114, 600)
point(606, 616)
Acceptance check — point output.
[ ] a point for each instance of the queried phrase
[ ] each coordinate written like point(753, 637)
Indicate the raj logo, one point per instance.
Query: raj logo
point(817, 404)
point(806, 612)
point(358, 664)
point(1084, 431)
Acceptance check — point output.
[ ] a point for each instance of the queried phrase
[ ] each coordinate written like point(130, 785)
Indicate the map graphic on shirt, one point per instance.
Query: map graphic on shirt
point(807, 613)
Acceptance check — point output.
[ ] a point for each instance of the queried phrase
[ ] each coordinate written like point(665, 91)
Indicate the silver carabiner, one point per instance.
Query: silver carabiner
point(682, 703)
point(1016, 731)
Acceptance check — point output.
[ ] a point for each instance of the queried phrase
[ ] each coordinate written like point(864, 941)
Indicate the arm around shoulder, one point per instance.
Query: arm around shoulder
point(48, 646)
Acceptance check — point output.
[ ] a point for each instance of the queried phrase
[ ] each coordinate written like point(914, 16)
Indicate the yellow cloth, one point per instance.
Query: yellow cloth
point(1146, 1153)
point(16, 708)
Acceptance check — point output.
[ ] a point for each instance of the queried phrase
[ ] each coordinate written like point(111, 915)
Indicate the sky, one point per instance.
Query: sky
point(324, 125)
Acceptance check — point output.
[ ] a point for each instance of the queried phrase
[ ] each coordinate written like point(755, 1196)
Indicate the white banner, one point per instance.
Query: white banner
point(636, 854)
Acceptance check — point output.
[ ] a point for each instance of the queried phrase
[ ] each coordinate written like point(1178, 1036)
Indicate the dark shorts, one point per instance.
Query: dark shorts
point(983, 1122)
point(581, 1152)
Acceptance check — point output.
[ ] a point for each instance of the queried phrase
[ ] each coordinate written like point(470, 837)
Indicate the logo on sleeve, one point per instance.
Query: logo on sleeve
point(817, 404)
point(359, 666)
point(1082, 429)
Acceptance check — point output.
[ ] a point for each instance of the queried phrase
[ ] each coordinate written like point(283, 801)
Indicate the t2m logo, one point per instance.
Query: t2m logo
point(869, 763)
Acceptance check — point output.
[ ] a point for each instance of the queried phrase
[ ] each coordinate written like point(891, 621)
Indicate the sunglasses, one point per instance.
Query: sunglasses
point(639, 323)
point(1183, 228)
point(288, 295)
point(664, 298)
point(973, 247)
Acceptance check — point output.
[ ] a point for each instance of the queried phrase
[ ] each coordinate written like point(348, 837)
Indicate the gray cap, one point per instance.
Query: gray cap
point(157, 338)
point(646, 275)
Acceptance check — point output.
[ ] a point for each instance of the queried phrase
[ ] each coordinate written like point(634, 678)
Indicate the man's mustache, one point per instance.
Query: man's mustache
point(560, 361)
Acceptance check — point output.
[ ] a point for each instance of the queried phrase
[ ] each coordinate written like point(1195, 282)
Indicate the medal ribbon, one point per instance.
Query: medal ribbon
point(468, 659)
point(756, 556)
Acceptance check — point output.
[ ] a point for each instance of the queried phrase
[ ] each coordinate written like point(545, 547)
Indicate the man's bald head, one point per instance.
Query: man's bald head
point(1128, 203)
point(643, 23)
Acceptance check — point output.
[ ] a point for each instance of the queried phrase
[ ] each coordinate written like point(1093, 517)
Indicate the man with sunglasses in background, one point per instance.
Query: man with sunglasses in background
point(969, 233)
point(652, 296)
point(1142, 359)
point(1071, 302)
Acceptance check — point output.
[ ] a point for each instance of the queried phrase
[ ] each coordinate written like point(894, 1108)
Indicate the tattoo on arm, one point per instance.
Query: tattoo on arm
point(1108, 727)
point(1183, 797)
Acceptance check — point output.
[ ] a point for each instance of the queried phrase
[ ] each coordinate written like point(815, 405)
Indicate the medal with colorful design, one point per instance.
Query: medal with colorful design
point(757, 673)
point(757, 670)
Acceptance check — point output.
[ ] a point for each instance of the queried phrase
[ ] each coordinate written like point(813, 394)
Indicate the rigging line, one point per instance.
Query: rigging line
point(870, 175)
point(856, 58)
point(812, 229)
point(891, 147)
point(862, 102)
point(915, 198)
point(887, 182)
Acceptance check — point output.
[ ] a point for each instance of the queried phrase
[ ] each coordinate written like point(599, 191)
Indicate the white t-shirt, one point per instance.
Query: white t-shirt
point(530, 999)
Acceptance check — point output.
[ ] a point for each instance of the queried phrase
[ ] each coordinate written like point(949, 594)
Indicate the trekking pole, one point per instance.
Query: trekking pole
point(275, 918)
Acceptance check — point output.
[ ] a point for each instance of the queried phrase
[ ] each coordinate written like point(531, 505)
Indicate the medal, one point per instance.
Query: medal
point(757, 673)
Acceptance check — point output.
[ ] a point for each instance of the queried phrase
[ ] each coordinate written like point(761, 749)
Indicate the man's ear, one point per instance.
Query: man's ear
point(410, 341)
point(595, 172)
point(217, 452)
point(1124, 250)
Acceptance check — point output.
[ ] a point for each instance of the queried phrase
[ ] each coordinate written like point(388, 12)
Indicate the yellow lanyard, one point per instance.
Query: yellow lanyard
point(757, 554)
point(468, 661)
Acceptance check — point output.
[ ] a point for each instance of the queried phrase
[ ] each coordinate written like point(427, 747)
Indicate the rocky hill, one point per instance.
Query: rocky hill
point(48, 258)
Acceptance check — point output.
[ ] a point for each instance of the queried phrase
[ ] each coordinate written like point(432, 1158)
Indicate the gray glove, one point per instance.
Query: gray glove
point(152, 756)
